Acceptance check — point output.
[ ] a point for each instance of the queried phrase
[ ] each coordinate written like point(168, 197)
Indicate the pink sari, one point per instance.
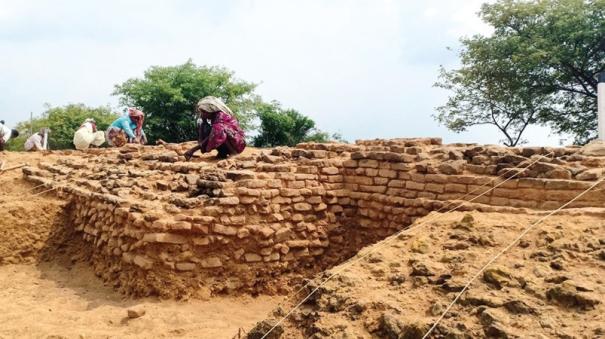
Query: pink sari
point(225, 128)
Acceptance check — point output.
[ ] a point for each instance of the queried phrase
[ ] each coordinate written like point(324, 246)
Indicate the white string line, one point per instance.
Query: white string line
point(444, 207)
point(499, 254)
point(394, 236)
point(46, 191)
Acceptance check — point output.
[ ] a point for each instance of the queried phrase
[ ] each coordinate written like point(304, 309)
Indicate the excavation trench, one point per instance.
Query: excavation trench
point(153, 225)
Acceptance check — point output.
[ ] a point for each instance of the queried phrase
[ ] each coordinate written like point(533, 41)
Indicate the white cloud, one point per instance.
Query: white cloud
point(362, 68)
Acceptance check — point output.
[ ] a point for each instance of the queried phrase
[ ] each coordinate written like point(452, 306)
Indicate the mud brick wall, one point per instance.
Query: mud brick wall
point(156, 225)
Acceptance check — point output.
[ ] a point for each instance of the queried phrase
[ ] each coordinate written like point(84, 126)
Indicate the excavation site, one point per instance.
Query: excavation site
point(396, 238)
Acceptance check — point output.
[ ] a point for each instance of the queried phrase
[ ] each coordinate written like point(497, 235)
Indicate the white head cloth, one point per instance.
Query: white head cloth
point(213, 104)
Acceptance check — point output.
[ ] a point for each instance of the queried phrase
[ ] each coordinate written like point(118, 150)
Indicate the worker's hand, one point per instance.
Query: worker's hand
point(189, 154)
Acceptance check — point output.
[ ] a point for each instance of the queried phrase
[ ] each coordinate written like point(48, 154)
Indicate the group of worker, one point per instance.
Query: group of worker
point(217, 128)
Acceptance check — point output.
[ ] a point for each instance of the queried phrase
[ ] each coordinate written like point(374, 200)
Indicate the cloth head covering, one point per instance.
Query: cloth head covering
point(139, 118)
point(92, 123)
point(212, 104)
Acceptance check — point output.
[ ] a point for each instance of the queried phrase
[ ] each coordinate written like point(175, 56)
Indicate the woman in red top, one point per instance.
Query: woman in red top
point(217, 129)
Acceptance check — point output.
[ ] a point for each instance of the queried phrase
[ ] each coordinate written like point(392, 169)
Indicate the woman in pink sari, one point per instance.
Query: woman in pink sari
point(217, 129)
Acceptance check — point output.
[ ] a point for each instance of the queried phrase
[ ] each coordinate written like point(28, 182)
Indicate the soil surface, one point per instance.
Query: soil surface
point(550, 285)
point(50, 301)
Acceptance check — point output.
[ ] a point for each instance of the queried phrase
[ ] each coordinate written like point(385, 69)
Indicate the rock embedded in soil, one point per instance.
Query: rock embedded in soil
point(263, 327)
point(135, 313)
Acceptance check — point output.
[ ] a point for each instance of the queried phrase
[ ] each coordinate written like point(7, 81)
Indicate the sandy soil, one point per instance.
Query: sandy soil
point(49, 301)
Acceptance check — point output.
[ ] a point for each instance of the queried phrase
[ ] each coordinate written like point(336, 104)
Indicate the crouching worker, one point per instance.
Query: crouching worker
point(37, 141)
point(217, 129)
point(6, 134)
point(127, 129)
point(87, 135)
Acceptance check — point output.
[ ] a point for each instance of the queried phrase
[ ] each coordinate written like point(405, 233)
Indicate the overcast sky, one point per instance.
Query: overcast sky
point(364, 69)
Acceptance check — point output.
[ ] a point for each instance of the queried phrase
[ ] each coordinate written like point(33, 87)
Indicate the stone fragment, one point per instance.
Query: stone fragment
point(568, 296)
point(499, 277)
point(135, 313)
point(261, 329)
point(142, 261)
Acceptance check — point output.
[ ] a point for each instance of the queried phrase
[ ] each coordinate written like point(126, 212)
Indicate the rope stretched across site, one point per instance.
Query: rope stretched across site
point(494, 258)
point(386, 241)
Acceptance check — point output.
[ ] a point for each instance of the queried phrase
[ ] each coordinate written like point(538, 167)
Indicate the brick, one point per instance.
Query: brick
point(459, 188)
point(298, 243)
point(359, 180)
point(372, 189)
point(411, 185)
point(211, 262)
point(252, 257)
point(436, 178)
point(387, 173)
point(164, 238)
point(397, 183)
point(185, 266)
point(436, 188)
point(296, 184)
point(302, 207)
point(289, 192)
point(368, 163)
point(224, 230)
point(330, 170)
point(229, 201)
point(381, 181)
point(371, 172)
point(350, 164)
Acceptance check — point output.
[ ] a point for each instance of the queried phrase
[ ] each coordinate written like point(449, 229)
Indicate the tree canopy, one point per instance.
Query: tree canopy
point(279, 126)
point(63, 122)
point(168, 96)
point(538, 67)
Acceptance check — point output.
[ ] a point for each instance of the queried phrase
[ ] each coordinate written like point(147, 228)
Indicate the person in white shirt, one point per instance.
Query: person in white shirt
point(37, 141)
point(6, 134)
point(88, 135)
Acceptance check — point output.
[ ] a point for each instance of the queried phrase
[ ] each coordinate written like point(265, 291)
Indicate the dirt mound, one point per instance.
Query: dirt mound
point(550, 285)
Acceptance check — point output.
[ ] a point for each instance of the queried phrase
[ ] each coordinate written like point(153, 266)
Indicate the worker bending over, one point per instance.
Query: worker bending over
point(127, 129)
point(87, 135)
point(6, 134)
point(37, 141)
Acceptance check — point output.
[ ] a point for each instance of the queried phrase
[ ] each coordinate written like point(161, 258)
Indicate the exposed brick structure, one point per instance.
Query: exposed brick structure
point(159, 225)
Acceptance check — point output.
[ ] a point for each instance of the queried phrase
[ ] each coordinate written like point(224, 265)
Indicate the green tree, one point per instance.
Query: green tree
point(285, 127)
point(63, 123)
point(490, 89)
point(168, 96)
point(554, 48)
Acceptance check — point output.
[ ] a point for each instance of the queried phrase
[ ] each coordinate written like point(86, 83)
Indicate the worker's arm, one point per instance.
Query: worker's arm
point(127, 129)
